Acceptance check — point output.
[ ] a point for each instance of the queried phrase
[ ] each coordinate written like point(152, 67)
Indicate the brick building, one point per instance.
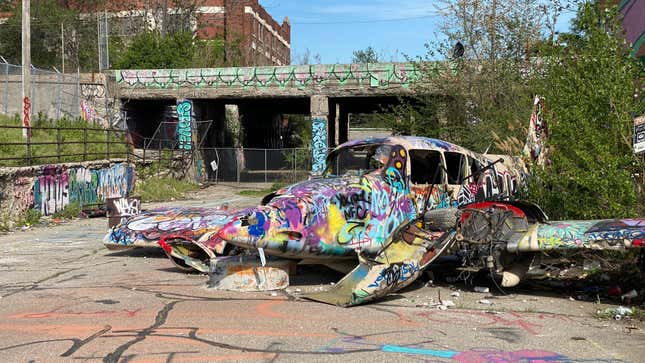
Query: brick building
point(262, 40)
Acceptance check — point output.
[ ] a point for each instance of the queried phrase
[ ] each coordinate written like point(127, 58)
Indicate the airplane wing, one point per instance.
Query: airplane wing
point(408, 251)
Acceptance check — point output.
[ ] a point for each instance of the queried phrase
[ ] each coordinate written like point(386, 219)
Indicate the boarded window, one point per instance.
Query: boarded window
point(426, 167)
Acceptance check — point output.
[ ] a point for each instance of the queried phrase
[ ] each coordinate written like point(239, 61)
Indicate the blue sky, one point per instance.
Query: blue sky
point(335, 28)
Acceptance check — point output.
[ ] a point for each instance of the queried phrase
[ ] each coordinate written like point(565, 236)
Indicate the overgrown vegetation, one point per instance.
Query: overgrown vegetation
point(591, 88)
point(32, 217)
point(474, 87)
point(152, 50)
point(153, 187)
point(72, 148)
point(497, 56)
point(70, 211)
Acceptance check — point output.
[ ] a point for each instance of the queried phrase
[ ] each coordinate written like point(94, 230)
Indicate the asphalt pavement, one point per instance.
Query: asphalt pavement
point(64, 297)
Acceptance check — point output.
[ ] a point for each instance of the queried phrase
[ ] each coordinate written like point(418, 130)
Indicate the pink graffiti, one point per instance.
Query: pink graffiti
point(23, 194)
point(26, 120)
point(89, 114)
point(484, 319)
point(498, 356)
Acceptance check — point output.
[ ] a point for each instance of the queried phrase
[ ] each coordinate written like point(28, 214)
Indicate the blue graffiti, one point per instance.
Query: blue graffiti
point(184, 124)
point(318, 143)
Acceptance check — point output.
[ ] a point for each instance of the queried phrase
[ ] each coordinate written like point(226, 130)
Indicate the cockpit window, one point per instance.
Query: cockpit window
point(426, 167)
point(455, 165)
point(358, 159)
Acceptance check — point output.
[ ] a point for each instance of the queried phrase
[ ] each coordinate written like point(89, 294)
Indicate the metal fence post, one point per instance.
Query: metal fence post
point(6, 89)
point(85, 143)
point(77, 107)
point(29, 148)
point(58, 142)
point(107, 142)
point(60, 96)
point(265, 165)
point(32, 99)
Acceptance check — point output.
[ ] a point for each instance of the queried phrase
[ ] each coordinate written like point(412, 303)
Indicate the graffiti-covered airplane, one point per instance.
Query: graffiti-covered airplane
point(387, 208)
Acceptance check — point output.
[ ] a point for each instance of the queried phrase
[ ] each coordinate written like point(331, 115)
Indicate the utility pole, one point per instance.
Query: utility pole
point(26, 69)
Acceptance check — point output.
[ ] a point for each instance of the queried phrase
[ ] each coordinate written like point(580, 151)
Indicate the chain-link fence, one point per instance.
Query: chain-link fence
point(257, 165)
point(242, 165)
point(53, 94)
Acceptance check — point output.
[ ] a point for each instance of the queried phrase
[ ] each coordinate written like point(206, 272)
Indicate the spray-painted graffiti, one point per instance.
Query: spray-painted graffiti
point(23, 194)
point(538, 133)
point(615, 234)
point(92, 91)
point(368, 201)
point(57, 186)
point(184, 124)
point(89, 114)
point(318, 143)
point(484, 355)
point(373, 75)
point(189, 223)
point(26, 117)
point(125, 207)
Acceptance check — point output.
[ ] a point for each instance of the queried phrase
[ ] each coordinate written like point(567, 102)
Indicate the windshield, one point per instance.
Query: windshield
point(358, 159)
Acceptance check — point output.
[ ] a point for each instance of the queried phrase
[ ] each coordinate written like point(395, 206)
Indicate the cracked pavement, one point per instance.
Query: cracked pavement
point(64, 297)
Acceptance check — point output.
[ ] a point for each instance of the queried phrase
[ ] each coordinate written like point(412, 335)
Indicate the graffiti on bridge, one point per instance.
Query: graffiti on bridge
point(184, 124)
point(318, 143)
point(373, 75)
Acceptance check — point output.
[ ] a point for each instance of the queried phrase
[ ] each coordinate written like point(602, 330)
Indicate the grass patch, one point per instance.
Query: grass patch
point(71, 142)
point(262, 192)
point(72, 210)
point(157, 189)
point(32, 216)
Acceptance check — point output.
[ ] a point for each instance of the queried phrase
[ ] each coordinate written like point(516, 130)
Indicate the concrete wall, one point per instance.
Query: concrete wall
point(49, 188)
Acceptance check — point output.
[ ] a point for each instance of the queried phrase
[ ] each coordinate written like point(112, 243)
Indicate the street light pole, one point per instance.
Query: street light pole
point(26, 69)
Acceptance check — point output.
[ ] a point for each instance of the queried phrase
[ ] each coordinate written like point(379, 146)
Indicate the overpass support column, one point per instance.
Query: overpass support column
point(233, 125)
point(319, 119)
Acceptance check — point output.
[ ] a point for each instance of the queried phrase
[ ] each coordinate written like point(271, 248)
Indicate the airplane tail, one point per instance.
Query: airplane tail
point(535, 148)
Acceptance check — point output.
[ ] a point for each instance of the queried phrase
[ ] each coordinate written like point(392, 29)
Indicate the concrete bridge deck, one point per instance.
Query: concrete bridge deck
point(337, 80)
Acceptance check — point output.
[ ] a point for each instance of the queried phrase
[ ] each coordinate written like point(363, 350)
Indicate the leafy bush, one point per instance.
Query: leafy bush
point(72, 210)
point(588, 86)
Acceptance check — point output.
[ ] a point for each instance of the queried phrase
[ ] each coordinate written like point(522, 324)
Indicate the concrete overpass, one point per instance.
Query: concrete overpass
point(256, 98)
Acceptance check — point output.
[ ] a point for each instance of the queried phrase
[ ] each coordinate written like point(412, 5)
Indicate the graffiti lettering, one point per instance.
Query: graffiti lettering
point(374, 75)
point(57, 187)
point(184, 124)
point(318, 143)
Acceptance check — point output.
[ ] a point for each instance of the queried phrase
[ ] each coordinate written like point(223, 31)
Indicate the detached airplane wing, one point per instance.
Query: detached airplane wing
point(409, 250)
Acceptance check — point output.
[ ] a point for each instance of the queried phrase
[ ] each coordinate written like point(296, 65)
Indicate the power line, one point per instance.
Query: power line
point(364, 21)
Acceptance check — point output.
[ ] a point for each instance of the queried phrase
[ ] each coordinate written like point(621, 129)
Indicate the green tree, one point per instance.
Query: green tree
point(151, 50)
point(47, 17)
point(590, 87)
point(478, 94)
point(367, 55)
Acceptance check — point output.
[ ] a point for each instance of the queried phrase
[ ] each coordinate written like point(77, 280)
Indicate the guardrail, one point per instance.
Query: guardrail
point(95, 143)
